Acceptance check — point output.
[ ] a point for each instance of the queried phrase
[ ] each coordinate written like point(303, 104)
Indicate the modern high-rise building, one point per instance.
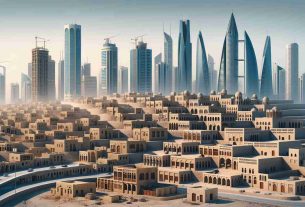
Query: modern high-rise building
point(161, 76)
point(51, 79)
point(202, 68)
point(14, 93)
point(61, 79)
point(141, 68)
point(292, 67)
point(72, 61)
point(266, 78)
point(30, 70)
point(40, 60)
point(212, 73)
point(86, 69)
point(123, 79)
point(108, 81)
point(2, 84)
point(279, 82)
point(251, 80)
point(175, 78)
point(184, 81)
point(26, 88)
point(302, 88)
point(228, 73)
point(168, 61)
point(89, 86)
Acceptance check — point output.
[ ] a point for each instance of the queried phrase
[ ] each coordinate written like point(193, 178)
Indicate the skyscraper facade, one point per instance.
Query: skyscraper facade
point(251, 71)
point(30, 70)
point(14, 93)
point(2, 84)
point(109, 69)
point(184, 81)
point(141, 68)
point(157, 62)
point(161, 76)
point(266, 78)
point(89, 86)
point(51, 79)
point(279, 82)
point(228, 73)
point(212, 73)
point(40, 60)
point(123, 79)
point(292, 67)
point(72, 61)
point(86, 69)
point(26, 88)
point(202, 68)
point(168, 61)
point(302, 88)
point(61, 79)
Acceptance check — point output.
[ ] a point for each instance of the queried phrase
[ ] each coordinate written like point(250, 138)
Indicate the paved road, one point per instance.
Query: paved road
point(256, 199)
point(47, 183)
point(11, 176)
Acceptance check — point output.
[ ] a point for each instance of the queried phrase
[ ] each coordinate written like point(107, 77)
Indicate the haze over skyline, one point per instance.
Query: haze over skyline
point(21, 21)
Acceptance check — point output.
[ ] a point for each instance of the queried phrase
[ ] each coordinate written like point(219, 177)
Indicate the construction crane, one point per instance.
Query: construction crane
point(107, 39)
point(41, 39)
point(135, 39)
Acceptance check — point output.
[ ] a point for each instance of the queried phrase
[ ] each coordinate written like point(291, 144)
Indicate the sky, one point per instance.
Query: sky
point(21, 21)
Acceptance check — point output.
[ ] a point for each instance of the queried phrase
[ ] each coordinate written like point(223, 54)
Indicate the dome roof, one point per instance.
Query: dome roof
point(213, 93)
point(238, 94)
point(199, 95)
point(254, 96)
point(265, 100)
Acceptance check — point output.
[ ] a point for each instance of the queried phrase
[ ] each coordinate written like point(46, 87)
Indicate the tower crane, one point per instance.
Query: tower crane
point(41, 39)
point(135, 39)
point(107, 39)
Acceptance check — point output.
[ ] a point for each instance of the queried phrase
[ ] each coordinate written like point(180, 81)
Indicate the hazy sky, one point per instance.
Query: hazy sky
point(22, 20)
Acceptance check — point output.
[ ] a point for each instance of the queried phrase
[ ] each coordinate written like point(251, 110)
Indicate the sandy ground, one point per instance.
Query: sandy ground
point(45, 200)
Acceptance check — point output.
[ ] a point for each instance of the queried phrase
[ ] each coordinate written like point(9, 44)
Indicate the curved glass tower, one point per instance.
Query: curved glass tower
point(184, 57)
point(168, 61)
point(72, 61)
point(228, 75)
point(202, 69)
point(266, 79)
point(251, 71)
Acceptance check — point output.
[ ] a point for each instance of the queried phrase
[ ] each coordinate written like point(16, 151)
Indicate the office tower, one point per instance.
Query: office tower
point(251, 80)
point(175, 79)
point(266, 78)
point(61, 79)
point(212, 73)
point(228, 73)
point(26, 88)
point(279, 82)
point(184, 57)
point(168, 61)
point(51, 79)
point(123, 80)
point(30, 70)
point(89, 86)
point(2, 84)
point(40, 60)
point(292, 67)
point(302, 88)
point(86, 69)
point(109, 69)
point(202, 68)
point(160, 75)
point(141, 68)
point(14, 93)
point(72, 61)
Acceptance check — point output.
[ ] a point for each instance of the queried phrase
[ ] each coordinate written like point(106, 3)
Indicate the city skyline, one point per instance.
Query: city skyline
point(213, 28)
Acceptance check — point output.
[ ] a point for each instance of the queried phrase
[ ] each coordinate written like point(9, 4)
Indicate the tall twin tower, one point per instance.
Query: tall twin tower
point(229, 73)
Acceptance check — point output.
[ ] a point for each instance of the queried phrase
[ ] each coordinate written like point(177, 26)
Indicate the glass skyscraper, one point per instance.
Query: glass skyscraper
point(202, 69)
point(61, 79)
point(266, 79)
point(72, 61)
point(109, 69)
point(184, 81)
point(2, 84)
point(228, 73)
point(279, 82)
point(140, 69)
point(292, 80)
point(26, 87)
point(251, 71)
point(51, 79)
point(123, 79)
point(168, 61)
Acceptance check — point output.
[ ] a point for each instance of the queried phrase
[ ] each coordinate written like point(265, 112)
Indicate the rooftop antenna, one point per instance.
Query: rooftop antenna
point(135, 39)
point(41, 39)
